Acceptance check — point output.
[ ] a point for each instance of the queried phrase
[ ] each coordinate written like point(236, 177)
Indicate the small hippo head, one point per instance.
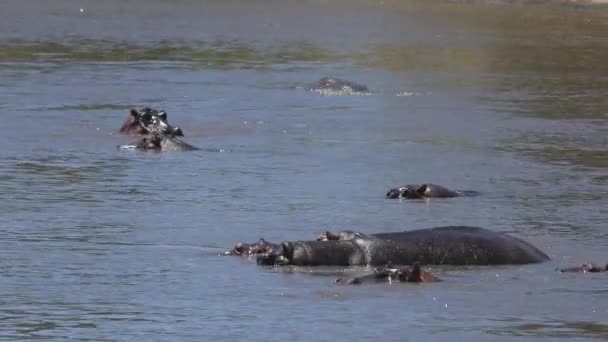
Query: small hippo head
point(148, 120)
point(411, 274)
point(586, 268)
point(406, 274)
point(407, 191)
point(261, 247)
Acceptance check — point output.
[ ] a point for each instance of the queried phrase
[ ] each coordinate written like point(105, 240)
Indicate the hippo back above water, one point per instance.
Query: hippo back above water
point(454, 245)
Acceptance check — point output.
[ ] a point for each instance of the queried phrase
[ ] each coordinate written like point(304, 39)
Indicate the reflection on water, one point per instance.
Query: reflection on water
point(214, 54)
point(555, 329)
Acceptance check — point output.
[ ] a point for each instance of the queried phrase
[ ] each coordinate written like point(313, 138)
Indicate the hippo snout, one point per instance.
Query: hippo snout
point(267, 260)
point(393, 193)
point(271, 259)
point(178, 132)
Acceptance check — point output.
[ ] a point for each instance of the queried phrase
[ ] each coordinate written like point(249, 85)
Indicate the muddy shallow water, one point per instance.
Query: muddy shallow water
point(106, 245)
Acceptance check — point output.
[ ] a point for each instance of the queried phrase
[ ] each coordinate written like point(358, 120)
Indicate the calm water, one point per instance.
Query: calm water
point(106, 245)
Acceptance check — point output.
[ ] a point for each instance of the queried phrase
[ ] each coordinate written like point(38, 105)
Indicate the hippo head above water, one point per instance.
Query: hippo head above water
point(337, 85)
point(280, 255)
point(414, 191)
point(146, 121)
point(405, 274)
point(261, 247)
point(586, 268)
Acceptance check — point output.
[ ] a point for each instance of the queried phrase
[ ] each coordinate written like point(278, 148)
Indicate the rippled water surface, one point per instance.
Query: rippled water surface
point(107, 245)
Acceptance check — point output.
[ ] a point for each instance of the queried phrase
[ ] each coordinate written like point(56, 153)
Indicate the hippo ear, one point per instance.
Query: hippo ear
point(287, 248)
point(163, 114)
point(133, 112)
point(422, 189)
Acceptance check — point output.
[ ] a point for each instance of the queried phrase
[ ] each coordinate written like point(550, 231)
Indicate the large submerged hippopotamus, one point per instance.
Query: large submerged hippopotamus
point(427, 190)
point(403, 274)
point(146, 121)
point(453, 245)
point(337, 85)
point(159, 142)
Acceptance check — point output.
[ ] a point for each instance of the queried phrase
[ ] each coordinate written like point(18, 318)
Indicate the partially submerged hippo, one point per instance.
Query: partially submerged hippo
point(453, 245)
point(585, 268)
point(146, 121)
point(337, 85)
point(403, 274)
point(427, 190)
point(159, 142)
point(252, 249)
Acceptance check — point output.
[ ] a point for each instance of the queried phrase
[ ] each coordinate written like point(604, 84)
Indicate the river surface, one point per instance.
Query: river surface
point(106, 245)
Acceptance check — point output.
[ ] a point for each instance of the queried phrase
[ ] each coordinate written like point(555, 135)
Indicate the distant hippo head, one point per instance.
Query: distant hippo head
point(405, 274)
point(585, 268)
point(337, 84)
point(406, 191)
point(148, 120)
point(260, 247)
point(413, 191)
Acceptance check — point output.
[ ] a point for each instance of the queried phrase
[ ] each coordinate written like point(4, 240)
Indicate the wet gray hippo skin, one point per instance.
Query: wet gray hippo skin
point(159, 143)
point(428, 190)
point(454, 245)
point(147, 120)
point(337, 84)
point(388, 274)
point(251, 249)
point(316, 253)
point(585, 268)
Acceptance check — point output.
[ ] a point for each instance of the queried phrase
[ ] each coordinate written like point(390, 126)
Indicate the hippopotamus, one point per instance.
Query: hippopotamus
point(585, 268)
point(337, 85)
point(452, 245)
point(403, 274)
point(428, 190)
point(147, 120)
point(252, 249)
point(159, 142)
